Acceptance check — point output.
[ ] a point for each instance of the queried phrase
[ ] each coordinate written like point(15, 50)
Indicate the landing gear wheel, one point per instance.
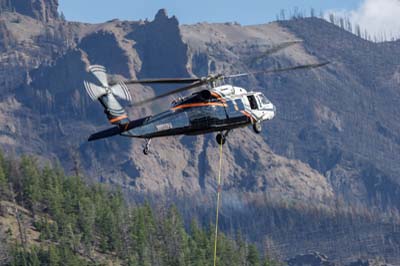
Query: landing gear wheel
point(257, 127)
point(146, 149)
point(221, 139)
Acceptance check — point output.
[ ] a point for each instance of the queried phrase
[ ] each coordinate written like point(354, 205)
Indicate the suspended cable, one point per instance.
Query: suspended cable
point(218, 203)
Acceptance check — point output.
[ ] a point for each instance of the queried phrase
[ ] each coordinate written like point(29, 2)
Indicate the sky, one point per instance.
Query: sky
point(189, 12)
point(379, 17)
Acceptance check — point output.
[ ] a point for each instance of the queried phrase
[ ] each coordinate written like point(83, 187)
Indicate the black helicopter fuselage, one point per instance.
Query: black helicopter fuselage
point(193, 116)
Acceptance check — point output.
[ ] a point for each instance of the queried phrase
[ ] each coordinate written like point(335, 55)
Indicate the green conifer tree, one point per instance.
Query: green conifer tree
point(253, 256)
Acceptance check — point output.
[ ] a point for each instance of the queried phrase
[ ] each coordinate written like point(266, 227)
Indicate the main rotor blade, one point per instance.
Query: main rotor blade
point(309, 66)
point(186, 88)
point(197, 82)
point(280, 47)
point(161, 81)
point(275, 49)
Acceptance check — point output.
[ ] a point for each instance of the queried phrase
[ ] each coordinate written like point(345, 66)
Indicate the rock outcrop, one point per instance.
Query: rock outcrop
point(372, 262)
point(312, 259)
point(160, 47)
point(7, 40)
point(318, 259)
point(44, 10)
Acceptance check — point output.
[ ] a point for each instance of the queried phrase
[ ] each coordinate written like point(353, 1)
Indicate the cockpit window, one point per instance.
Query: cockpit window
point(264, 99)
point(253, 102)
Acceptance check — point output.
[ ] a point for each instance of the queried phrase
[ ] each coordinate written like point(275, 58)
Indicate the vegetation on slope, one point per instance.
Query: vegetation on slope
point(80, 224)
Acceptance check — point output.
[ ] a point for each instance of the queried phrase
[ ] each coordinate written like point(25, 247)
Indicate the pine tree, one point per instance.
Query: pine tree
point(30, 182)
point(253, 256)
point(174, 238)
point(3, 181)
point(86, 222)
point(33, 259)
point(197, 245)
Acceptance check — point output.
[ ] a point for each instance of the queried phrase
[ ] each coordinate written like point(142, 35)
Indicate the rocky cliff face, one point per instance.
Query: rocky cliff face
point(325, 169)
point(160, 58)
point(44, 10)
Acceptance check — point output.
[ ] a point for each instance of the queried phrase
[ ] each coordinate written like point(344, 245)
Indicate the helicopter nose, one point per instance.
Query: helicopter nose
point(273, 110)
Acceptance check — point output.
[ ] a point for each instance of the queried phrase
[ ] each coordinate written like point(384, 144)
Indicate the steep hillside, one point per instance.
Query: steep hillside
point(48, 218)
point(341, 119)
point(327, 163)
point(364, 102)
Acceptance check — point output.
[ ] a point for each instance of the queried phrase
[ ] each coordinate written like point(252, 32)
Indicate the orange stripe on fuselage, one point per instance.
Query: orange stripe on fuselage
point(219, 97)
point(216, 95)
point(117, 119)
point(188, 105)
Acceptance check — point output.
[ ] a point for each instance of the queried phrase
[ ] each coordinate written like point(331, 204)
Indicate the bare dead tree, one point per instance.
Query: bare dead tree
point(21, 228)
point(76, 161)
point(283, 15)
point(332, 18)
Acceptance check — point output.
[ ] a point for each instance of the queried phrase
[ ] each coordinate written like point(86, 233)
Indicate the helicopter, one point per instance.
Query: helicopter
point(215, 109)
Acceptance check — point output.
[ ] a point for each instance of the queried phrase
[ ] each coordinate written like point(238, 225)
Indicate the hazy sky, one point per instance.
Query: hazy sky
point(378, 17)
point(188, 11)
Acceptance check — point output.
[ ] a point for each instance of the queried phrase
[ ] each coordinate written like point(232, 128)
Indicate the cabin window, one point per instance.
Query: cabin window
point(253, 102)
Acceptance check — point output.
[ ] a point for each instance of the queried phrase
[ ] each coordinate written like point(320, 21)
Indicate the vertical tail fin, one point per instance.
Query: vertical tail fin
point(107, 95)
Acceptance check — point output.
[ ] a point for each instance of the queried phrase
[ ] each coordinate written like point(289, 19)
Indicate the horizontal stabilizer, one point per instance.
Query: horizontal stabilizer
point(118, 130)
point(105, 133)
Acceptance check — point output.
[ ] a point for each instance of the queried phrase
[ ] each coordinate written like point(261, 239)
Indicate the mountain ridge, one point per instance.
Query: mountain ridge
point(333, 143)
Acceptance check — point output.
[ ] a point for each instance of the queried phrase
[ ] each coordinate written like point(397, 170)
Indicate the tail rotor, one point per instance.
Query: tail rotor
point(96, 91)
point(99, 89)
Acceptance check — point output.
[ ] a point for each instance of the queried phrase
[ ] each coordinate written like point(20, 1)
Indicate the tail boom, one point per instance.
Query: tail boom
point(119, 130)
